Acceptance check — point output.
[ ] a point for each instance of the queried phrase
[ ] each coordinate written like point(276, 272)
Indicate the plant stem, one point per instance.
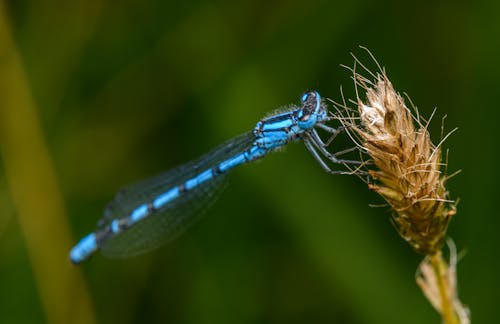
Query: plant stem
point(440, 267)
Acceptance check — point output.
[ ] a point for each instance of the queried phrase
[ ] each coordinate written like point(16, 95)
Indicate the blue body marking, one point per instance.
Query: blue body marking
point(153, 212)
point(165, 198)
point(87, 246)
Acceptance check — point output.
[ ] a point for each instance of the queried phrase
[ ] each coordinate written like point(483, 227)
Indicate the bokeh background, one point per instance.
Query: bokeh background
point(96, 94)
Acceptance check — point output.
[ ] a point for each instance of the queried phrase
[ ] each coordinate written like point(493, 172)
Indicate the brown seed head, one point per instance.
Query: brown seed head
point(407, 171)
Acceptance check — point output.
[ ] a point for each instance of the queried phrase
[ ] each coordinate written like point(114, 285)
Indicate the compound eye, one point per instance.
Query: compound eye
point(307, 96)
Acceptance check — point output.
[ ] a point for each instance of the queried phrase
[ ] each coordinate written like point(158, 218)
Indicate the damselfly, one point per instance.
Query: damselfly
point(146, 215)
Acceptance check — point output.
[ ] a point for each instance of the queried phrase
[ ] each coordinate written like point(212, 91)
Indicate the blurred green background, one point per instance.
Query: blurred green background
point(96, 94)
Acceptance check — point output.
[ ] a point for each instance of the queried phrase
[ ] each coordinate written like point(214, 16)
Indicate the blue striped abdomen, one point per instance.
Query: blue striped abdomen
point(159, 209)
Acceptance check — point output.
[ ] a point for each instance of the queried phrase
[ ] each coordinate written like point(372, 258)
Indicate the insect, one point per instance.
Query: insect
point(152, 212)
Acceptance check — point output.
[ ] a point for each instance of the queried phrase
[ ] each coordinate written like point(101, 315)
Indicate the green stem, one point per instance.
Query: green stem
point(448, 314)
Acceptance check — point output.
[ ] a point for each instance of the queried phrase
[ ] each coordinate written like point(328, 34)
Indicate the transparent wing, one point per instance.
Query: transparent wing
point(167, 223)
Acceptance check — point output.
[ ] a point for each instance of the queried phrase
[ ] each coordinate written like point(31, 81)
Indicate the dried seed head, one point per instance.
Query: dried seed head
point(407, 171)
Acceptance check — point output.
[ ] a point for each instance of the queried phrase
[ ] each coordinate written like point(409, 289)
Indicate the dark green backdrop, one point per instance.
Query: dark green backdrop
point(97, 94)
